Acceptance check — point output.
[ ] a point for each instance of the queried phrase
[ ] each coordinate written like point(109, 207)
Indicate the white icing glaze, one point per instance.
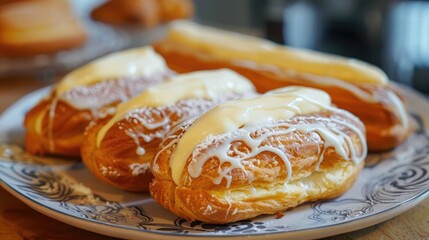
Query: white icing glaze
point(200, 84)
point(209, 85)
point(232, 46)
point(130, 63)
point(259, 111)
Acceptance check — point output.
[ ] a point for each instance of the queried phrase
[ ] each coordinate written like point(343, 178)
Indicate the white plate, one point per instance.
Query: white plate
point(65, 190)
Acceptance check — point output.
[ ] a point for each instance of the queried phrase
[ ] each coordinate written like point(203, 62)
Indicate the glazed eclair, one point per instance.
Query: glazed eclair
point(57, 123)
point(258, 156)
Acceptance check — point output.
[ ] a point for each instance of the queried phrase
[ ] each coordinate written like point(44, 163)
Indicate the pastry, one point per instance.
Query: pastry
point(57, 123)
point(31, 27)
point(118, 148)
point(145, 13)
point(358, 87)
point(258, 156)
point(175, 9)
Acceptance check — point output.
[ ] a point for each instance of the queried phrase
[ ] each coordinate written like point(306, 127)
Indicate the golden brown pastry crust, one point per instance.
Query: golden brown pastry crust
point(385, 129)
point(56, 126)
point(61, 134)
point(31, 27)
point(269, 191)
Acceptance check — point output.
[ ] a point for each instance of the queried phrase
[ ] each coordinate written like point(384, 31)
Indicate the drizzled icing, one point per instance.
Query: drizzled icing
point(208, 85)
point(232, 46)
point(160, 119)
point(130, 63)
point(242, 117)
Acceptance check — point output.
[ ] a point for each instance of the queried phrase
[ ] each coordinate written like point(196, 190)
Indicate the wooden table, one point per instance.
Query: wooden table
point(17, 221)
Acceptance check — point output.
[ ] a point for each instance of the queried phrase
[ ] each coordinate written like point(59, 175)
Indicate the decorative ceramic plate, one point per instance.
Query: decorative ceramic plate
point(65, 190)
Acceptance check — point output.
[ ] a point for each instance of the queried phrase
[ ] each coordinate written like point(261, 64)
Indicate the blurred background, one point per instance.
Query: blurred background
point(391, 34)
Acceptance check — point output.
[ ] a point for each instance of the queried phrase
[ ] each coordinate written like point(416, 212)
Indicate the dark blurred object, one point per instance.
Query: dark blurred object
point(407, 44)
point(144, 13)
point(348, 28)
point(31, 27)
point(302, 25)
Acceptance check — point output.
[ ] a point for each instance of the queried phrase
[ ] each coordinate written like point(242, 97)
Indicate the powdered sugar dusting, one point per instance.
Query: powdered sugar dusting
point(109, 171)
point(139, 168)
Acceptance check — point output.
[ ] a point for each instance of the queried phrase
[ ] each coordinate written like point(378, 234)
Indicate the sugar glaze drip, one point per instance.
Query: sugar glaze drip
point(160, 120)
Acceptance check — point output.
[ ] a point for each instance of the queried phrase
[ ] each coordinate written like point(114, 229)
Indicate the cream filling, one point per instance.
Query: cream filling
point(246, 116)
point(130, 63)
point(232, 46)
point(201, 84)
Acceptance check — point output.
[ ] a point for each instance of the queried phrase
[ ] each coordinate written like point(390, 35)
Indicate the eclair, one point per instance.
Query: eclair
point(353, 85)
point(119, 147)
point(32, 27)
point(259, 155)
point(143, 13)
point(57, 123)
